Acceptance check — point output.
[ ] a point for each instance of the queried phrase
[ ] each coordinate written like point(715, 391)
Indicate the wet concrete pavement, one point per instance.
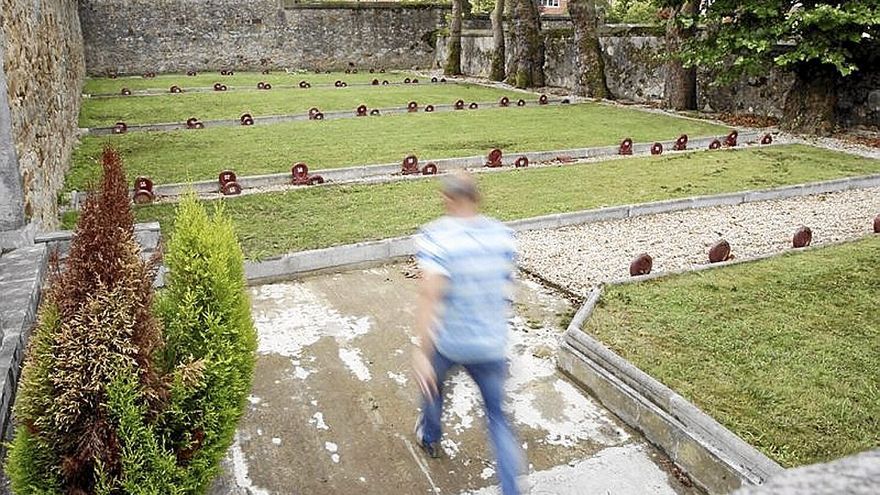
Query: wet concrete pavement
point(333, 403)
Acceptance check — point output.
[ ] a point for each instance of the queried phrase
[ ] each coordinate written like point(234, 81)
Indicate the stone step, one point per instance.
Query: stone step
point(22, 272)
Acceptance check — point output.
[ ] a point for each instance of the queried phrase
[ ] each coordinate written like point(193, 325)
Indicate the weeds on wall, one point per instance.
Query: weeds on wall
point(105, 403)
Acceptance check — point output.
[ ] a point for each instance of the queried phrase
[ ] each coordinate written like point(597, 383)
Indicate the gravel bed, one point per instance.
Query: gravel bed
point(580, 257)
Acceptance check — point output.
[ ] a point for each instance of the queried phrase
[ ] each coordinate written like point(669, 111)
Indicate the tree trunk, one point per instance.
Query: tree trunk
point(528, 45)
point(811, 104)
point(590, 80)
point(453, 44)
point(680, 88)
point(499, 57)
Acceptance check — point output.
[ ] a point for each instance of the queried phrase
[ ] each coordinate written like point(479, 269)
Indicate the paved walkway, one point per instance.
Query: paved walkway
point(333, 404)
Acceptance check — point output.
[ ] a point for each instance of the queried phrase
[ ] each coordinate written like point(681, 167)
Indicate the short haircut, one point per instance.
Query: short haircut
point(460, 185)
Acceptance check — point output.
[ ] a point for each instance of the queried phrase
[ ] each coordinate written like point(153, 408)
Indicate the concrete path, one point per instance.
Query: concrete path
point(333, 404)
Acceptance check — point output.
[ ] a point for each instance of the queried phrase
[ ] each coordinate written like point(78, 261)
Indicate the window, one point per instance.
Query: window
point(549, 3)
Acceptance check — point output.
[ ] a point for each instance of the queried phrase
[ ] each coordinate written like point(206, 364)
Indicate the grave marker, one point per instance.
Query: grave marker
point(374, 112)
point(715, 144)
point(300, 176)
point(730, 140)
point(681, 143)
point(521, 103)
point(521, 162)
point(494, 158)
point(504, 101)
point(143, 191)
point(412, 107)
point(803, 237)
point(459, 105)
point(543, 100)
point(361, 111)
point(429, 108)
point(473, 105)
point(228, 184)
point(429, 169)
point(126, 92)
point(120, 128)
point(767, 139)
point(657, 149)
point(410, 165)
point(246, 119)
point(176, 90)
point(641, 265)
point(720, 251)
point(626, 147)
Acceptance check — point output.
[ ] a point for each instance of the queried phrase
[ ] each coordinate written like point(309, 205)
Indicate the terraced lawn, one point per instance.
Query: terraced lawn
point(249, 80)
point(180, 156)
point(784, 352)
point(218, 105)
point(275, 223)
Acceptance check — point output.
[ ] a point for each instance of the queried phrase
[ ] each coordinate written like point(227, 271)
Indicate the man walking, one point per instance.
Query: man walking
point(467, 262)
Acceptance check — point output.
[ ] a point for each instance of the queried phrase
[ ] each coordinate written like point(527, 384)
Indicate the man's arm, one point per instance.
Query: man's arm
point(430, 295)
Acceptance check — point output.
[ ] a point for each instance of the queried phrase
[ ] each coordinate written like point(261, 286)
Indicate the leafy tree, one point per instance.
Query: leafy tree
point(822, 42)
point(453, 44)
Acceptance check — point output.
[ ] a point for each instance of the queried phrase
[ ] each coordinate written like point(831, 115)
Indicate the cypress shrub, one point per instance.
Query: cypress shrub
point(106, 404)
point(210, 337)
point(95, 325)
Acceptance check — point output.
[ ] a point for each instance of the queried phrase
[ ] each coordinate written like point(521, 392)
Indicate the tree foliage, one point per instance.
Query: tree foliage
point(749, 37)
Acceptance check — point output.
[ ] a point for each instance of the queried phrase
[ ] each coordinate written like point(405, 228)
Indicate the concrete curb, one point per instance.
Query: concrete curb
point(299, 117)
point(361, 172)
point(383, 251)
point(147, 234)
point(713, 456)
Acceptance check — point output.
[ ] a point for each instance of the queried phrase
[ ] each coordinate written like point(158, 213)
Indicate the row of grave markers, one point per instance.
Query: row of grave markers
point(410, 165)
point(720, 251)
point(361, 111)
point(262, 85)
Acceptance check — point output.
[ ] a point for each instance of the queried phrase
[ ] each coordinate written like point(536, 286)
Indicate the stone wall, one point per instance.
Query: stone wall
point(42, 61)
point(634, 71)
point(138, 36)
point(632, 55)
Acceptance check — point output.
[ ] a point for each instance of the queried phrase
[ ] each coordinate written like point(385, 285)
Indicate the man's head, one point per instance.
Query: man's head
point(460, 194)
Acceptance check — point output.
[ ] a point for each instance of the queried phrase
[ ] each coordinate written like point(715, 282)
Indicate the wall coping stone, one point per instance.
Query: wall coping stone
point(333, 5)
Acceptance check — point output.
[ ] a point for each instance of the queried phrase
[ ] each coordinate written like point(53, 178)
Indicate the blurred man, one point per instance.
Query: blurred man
point(467, 262)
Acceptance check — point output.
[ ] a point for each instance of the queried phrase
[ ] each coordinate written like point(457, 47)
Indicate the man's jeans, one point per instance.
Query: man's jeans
point(490, 378)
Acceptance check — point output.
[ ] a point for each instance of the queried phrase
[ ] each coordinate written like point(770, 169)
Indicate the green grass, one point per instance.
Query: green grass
point(274, 223)
point(98, 112)
point(180, 156)
point(162, 82)
point(784, 352)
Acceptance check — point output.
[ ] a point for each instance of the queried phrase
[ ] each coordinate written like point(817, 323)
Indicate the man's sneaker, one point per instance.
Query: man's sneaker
point(430, 448)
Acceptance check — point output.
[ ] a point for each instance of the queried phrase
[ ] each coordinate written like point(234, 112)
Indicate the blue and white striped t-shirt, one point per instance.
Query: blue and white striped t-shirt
point(477, 255)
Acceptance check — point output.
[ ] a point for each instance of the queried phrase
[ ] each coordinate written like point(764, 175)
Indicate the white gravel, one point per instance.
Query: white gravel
point(580, 257)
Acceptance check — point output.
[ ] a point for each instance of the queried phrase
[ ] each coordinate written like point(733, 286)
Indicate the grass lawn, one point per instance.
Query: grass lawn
point(275, 223)
point(181, 156)
point(98, 112)
point(784, 352)
point(162, 82)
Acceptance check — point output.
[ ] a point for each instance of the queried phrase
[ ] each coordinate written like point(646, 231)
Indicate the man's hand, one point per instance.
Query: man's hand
point(430, 292)
point(425, 375)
